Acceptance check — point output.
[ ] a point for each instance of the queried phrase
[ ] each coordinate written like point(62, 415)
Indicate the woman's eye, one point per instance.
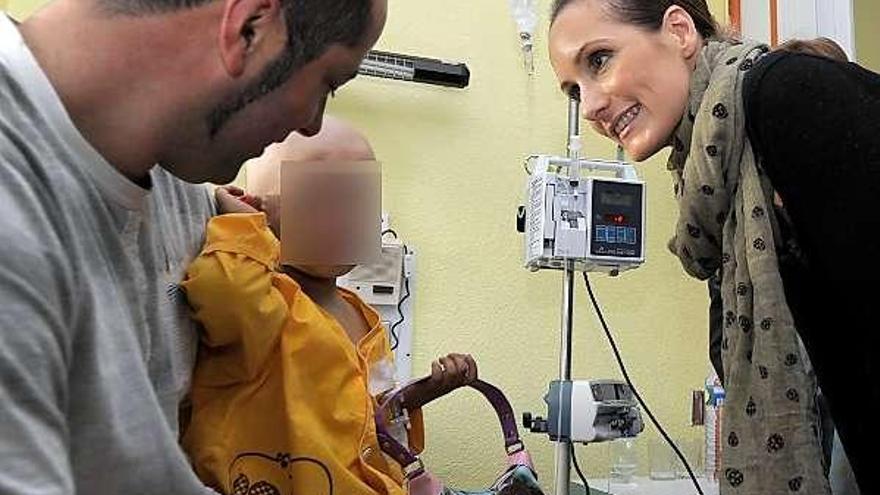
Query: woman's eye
point(596, 61)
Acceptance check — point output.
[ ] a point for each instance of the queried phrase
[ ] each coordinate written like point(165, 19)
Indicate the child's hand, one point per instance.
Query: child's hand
point(452, 372)
point(447, 374)
point(231, 199)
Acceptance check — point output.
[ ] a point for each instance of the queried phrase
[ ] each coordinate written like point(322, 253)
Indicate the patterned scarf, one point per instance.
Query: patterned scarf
point(726, 221)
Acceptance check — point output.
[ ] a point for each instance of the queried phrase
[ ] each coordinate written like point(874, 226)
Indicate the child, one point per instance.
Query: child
point(290, 365)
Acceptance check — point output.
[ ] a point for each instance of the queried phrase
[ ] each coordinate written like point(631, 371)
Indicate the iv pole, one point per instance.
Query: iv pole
point(563, 452)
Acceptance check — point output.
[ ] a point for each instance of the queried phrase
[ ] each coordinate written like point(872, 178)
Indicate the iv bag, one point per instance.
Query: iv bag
point(525, 15)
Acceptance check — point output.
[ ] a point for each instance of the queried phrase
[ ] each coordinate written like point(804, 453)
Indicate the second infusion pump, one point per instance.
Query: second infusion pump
point(596, 222)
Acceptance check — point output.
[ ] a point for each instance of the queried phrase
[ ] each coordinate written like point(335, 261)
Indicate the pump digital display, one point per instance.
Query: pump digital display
point(616, 198)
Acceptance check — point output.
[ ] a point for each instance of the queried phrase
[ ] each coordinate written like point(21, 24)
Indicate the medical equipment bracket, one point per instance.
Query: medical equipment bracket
point(401, 67)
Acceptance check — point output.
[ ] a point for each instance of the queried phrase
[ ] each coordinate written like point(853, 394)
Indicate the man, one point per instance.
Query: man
point(95, 349)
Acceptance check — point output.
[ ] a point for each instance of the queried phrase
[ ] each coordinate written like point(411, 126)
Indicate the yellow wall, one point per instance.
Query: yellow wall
point(867, 16)
point(21, 8)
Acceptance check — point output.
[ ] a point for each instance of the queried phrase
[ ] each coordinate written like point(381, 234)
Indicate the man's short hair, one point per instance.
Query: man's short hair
point(312, 25)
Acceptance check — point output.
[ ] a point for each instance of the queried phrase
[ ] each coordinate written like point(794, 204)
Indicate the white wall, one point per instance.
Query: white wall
point(803, 19)
point(836, 20)
point(755, 17)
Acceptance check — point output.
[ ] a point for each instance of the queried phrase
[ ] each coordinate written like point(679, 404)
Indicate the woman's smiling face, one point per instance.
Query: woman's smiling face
point(633, 82)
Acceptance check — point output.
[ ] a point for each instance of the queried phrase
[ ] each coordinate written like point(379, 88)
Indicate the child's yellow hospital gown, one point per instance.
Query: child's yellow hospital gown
point(283, 402)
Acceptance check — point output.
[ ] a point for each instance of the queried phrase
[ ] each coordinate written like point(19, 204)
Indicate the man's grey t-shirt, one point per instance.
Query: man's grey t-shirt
point(96, 349)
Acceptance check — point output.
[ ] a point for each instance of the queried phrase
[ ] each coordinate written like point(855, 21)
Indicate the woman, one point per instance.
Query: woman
point(745, 126)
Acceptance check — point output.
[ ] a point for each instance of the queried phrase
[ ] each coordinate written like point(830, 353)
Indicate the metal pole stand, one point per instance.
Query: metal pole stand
point(563, 452)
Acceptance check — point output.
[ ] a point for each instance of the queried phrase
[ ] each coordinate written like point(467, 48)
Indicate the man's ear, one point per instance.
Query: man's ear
point(245, 23)
point(680, 25)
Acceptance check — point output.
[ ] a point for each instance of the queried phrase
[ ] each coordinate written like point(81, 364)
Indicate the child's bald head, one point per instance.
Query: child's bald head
point(337, 141)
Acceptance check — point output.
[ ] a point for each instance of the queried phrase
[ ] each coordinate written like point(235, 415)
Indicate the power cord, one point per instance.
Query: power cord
point(577, 468)
point(632, 387)
point(400, 312)
point(395, 338)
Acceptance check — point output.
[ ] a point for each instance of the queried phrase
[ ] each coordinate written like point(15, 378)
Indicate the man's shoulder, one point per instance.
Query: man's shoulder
point(27, 193)
point(37, 268)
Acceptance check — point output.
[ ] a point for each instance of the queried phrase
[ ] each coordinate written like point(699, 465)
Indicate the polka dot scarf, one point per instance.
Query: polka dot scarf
point(726, 221)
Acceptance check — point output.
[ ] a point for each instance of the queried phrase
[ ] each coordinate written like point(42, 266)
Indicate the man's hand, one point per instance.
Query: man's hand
point(231, 199)
point(447, 374)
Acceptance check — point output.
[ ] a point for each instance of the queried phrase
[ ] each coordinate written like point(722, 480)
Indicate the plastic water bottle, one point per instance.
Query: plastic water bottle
point(714, 417)
point(624, 466)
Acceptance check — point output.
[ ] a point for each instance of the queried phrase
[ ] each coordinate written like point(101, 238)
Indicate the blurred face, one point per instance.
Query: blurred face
point(633, 83)
point(261, 107)
point(330, 212)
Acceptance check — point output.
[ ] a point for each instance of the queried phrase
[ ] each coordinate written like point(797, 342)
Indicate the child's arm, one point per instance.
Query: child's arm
point(230, 288)
point(447, 374)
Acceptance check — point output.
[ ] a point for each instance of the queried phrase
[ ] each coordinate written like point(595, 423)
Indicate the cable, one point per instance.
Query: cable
point(400, 312)
point(394, 336)
point(577, 467)
point(632, 387)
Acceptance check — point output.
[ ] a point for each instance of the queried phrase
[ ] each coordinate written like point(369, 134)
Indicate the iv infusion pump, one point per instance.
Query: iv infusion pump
point(598, 223)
